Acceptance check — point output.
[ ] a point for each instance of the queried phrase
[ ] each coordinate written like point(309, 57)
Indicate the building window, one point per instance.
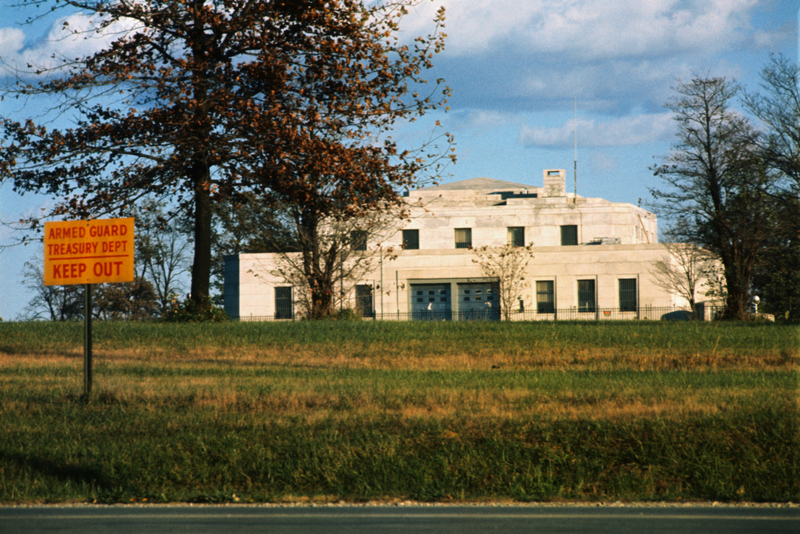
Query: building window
point(586, 296)
point(364, 305)
point(627, 294)
point(569, 235)
point(545, 297)
point(463, 237)
point(358, 240)
point(411, 239)
point(516, 236)
point(283, 303)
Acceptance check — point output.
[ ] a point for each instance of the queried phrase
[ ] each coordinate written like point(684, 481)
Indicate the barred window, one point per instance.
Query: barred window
point(411, 239)
point(516, 236)
point(364, 304)
point(358, 240)
point(627, 294)
point(463, 237)
point(545, 297)
point(586, 296)
point(283, 303)
point(569, 235)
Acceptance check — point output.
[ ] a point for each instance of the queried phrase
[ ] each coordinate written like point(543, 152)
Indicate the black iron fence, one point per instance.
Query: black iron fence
point(649, 313)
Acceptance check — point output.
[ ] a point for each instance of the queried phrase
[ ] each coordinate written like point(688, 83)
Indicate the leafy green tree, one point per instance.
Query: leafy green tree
point(717, 184)
point(250, 226)
point(777, 273)
point(201, 101)
point(247, 225)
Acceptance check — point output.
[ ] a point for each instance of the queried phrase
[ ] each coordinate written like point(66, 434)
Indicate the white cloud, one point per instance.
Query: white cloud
point(69, 38)
point(11, 41)
point(618, 58)
point(634, 130)
point(480, 120)
point(590, 29)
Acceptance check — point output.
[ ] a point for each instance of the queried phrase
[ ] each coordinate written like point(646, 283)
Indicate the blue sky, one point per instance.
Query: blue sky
point(517, 68)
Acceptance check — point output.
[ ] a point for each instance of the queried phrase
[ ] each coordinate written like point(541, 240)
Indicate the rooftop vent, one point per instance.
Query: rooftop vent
point(606, 241)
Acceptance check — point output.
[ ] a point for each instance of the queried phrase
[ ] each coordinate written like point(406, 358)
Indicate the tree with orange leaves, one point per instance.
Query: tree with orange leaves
point(199, 102)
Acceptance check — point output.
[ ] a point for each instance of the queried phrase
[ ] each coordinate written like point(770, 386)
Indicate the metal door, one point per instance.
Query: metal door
point(478, 302)
point(364, 304)
point(430, 302)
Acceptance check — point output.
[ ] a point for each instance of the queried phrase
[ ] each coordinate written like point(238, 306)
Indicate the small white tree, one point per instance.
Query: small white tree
point(506, 263)
point(684, 270)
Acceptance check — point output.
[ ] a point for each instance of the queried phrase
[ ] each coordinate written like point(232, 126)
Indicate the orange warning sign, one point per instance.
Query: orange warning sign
point(88, 252)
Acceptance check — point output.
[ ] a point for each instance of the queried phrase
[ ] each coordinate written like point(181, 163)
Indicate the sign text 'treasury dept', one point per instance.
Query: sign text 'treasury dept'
point(88, 252)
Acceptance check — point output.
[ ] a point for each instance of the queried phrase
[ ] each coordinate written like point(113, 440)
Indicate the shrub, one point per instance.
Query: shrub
point(190, 311)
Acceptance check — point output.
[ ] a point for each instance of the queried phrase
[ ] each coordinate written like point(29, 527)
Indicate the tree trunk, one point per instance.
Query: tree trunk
point(200, 169)
point(318, 265)
point(201, 266)
point(736, 302)
point(322, 299)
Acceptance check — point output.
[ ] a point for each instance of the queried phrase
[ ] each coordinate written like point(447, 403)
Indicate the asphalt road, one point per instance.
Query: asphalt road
point(391, 519)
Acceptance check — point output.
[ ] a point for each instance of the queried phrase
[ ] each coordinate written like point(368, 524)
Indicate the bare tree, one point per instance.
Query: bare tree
point(716, 184)
point(163, 251)
point(684, 270)
point(507, 264)
point(334, 257)
point(50, 303)
point(777, 106)
point(125, 301)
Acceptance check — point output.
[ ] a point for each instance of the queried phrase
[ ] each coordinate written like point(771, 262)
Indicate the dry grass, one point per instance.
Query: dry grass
point(595, 384)
point(387, 357)
point(346, 377)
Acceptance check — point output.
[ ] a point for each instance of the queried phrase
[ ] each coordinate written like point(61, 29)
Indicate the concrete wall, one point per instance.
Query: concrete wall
point(489, 207)
point(436, 212)
point(606, 264)
point(542, 223)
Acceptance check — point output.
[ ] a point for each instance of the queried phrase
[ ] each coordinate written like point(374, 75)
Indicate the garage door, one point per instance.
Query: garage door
point(430, 302)
point(478, 302)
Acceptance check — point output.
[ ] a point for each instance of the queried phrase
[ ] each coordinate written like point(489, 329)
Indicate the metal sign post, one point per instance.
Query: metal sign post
point(87, 339)
point(90, 252)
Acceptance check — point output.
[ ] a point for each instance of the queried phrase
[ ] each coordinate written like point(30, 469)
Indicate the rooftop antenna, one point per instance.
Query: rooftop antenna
point(575, 164)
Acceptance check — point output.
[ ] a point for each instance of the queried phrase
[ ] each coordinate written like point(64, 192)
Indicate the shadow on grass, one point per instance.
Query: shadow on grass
point(77, 474)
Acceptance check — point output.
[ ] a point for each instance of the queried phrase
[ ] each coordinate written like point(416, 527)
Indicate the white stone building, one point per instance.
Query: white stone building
point(591, 259)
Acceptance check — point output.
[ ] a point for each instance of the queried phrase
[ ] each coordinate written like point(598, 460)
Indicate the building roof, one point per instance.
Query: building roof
point(479, 184)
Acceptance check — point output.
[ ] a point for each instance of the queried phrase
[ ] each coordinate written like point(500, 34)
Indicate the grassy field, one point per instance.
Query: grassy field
point(359, 411)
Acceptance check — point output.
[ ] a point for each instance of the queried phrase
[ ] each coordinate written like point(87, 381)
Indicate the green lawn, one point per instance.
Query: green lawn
point(358, 411)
